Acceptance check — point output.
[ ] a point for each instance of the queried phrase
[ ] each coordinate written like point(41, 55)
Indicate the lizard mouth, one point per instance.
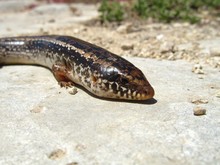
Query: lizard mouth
point(144, 93)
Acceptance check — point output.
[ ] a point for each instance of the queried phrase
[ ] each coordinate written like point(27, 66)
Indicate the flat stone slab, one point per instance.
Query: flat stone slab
point(21, 19)
point(42, 123)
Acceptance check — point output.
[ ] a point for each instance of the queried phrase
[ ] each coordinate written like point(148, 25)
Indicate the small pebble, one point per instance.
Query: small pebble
point(125, 28)
point(198, 69)
point(201, 77)
point(8, 29)
point(80, 147)
point(198, 111)
point(76, 31)
point(72, 90)
point(73, 163)
point(127, 46)
point(51, 20)
point(160, 37)
point(75, 11)
point(199, 101)
point(167, 47)
point(171, 56)
point(38, 109)
point(215, 51)
point(218, 94)
point(57, 154)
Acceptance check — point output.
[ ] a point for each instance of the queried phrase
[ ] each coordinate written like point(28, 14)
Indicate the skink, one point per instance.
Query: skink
point(72, 60)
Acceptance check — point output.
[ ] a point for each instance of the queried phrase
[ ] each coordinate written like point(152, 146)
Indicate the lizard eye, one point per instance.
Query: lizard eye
point(113, 77)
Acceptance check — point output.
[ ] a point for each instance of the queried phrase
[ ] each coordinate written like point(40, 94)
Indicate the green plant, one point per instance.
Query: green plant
point(141, 7)
point(162, 10)
point(172, 10)
point(111, 11)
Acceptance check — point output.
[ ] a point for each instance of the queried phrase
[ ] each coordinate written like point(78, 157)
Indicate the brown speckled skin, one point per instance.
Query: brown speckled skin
point(70, 59)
